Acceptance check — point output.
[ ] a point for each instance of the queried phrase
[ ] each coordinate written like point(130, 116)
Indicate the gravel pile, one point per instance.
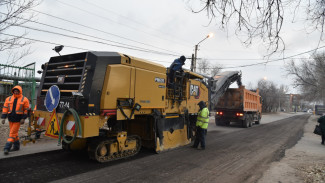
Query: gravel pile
point(313, 173)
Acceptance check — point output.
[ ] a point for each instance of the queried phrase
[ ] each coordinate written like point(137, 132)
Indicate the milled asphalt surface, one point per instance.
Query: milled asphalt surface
point(81, 168)
point(242, 156)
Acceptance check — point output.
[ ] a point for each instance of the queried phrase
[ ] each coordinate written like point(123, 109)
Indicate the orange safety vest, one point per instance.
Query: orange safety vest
point(22, 103)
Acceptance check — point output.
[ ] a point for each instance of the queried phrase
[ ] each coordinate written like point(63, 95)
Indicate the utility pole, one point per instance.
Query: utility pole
point(195, 57)
point(193, 64)
point(279, 103)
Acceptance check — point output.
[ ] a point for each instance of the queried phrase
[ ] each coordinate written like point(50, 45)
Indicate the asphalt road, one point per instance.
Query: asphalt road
point(239, 155)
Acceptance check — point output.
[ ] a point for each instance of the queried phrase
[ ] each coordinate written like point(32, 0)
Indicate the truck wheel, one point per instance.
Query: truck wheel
point(227, 123)
point(250, 117)
point(245, 123)
point(258, 121)
point(217, 122)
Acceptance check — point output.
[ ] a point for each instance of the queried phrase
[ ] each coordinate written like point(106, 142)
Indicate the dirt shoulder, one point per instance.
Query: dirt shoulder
point(305, 162)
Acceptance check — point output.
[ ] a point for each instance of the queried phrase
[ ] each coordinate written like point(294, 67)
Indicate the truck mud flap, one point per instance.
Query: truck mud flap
point(159, 126)
point(188, 124)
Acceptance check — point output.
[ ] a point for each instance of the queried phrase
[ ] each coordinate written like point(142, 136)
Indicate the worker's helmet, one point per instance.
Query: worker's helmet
point(202, 104)
point(182, 58)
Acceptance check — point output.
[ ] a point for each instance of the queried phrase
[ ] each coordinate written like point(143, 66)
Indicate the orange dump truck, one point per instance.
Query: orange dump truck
point(239, 105)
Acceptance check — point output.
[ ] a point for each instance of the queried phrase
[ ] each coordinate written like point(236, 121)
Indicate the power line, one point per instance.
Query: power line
point(100, 42)
point(52, 43)
point(145, 50)
point(37, 40)
point(131, 46)
point(277, 59)
point(40, 23)
point(48, 42)
point(100, 30)
point(96, 29)
point(134, 21)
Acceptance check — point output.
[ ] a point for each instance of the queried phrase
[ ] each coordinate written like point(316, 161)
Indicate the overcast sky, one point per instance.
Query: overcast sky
point(166, 27)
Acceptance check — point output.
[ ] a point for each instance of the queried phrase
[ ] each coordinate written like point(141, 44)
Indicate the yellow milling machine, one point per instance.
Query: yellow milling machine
point(118, 103)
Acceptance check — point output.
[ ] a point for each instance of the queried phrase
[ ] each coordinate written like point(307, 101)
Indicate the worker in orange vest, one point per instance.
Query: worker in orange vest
point(15, 108)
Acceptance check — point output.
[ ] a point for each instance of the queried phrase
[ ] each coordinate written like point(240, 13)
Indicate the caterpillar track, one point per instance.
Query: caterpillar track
point(105, 149)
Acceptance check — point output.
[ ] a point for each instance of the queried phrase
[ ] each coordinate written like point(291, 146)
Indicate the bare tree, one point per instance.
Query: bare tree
point(273, 97)
point(282, 92)
point(215, 69)
point(14, 13)
point(309, 77)
point(203, 66)
point(262, 18)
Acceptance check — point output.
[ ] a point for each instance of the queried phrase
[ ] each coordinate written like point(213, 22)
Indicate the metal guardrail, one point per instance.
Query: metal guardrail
point(15, 75)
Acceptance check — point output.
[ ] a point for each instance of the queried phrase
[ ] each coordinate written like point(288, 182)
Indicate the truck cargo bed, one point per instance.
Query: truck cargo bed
point(239, 99)
point(239, 105)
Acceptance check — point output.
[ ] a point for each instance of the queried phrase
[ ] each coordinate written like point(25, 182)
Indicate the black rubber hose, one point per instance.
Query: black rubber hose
point(77, 122)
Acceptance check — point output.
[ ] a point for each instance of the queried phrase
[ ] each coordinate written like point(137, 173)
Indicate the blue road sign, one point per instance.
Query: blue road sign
point(52, 98)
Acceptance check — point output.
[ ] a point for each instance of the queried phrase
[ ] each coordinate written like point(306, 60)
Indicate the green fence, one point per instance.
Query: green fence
point(11, 76)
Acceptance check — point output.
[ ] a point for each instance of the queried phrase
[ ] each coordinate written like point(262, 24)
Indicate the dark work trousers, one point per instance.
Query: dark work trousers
point(171, 76)
point(323, 136)
point(200, 137)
